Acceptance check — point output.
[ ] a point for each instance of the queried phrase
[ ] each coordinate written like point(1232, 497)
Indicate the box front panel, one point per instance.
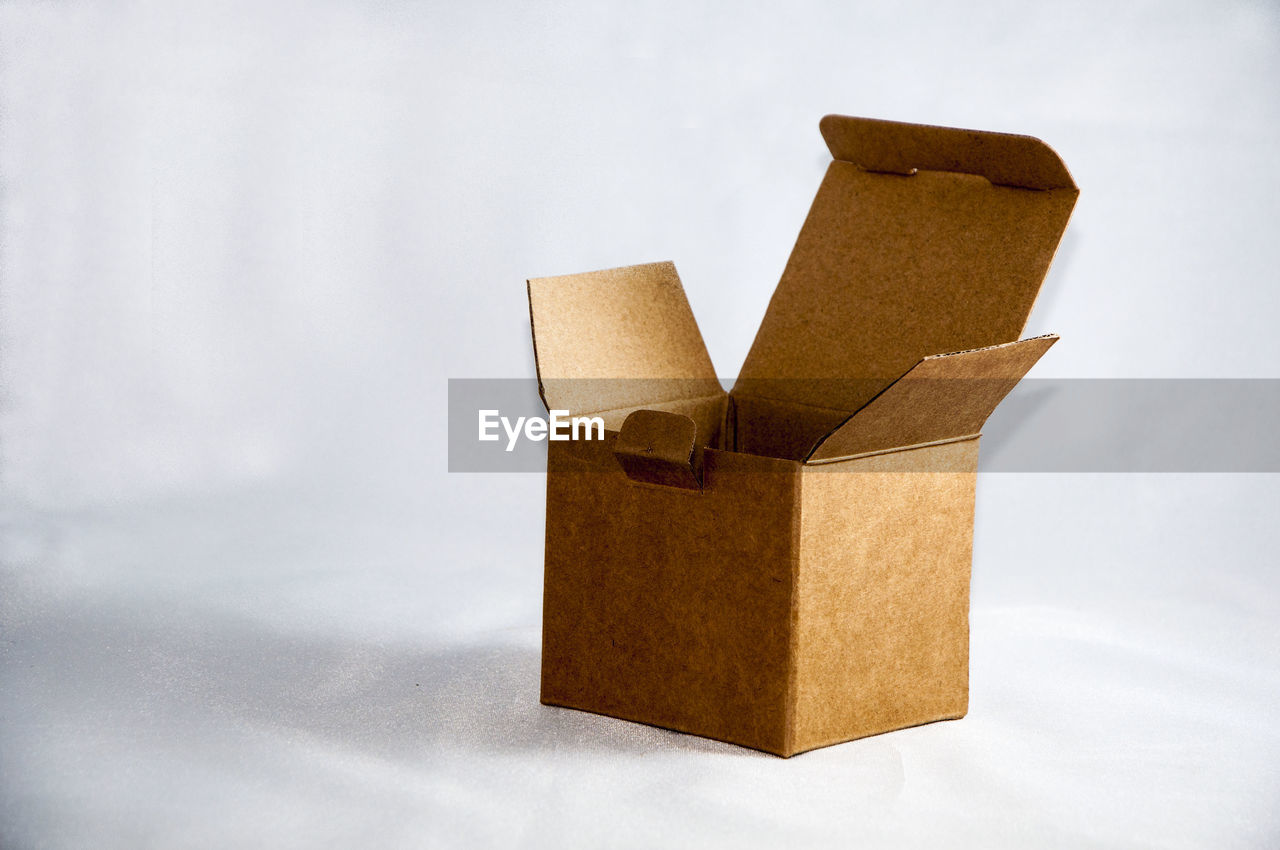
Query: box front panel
point(667, 606)
point(882, 600)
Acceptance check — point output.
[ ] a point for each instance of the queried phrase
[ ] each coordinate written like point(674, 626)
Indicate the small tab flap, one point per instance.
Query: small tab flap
point(944, 397)
point(891, 146)
point(660, 448)
point(617, 338)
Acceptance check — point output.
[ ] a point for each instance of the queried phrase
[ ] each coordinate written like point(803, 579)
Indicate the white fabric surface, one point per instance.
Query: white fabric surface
point(266, 668)
point(243, 246)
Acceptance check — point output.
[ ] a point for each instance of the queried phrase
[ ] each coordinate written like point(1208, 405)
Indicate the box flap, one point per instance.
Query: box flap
point(921, 239)
point(1004, 159)
point(657, 447)
point(617, 339)
point(944, 397)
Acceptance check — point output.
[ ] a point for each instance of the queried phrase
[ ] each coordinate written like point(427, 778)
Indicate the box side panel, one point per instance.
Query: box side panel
point(666, 606)
point(882, 595)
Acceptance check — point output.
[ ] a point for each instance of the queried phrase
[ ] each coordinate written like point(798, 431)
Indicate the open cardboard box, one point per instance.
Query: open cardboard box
point(786, 566)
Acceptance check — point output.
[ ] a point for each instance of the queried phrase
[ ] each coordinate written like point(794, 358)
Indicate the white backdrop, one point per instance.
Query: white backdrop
point(243, 246)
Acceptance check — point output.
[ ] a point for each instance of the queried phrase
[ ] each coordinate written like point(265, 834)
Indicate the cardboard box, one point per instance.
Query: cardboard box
point(786, 566)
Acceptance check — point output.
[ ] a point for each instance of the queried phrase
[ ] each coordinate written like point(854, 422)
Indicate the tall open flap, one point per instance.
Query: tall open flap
point(618, 340)
point(921, 240)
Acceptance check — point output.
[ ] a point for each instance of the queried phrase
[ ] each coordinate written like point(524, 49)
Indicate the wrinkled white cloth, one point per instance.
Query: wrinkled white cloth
point(260, 669)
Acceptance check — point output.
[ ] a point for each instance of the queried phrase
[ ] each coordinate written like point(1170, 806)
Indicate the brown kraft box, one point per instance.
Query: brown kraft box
point(786, 566)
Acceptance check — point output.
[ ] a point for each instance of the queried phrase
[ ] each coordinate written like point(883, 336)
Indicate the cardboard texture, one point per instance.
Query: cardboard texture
point(786, 566)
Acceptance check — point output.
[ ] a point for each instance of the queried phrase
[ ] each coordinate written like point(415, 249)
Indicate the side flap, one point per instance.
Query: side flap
point(1003, 158)
point(947, 253)
point(656, 447)
point(615, 339)
point(944, 397)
